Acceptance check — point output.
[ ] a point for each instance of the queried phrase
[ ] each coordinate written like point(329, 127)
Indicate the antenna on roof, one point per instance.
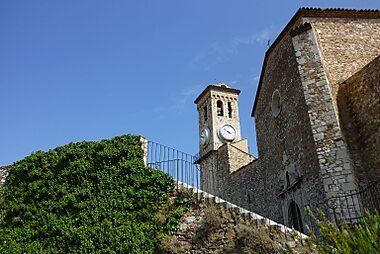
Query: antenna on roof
point(268, 44)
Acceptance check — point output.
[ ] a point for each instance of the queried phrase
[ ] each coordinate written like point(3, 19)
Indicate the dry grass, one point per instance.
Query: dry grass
point(223, 231)
point(211, 221)
point(252, 240)
point(170, 244)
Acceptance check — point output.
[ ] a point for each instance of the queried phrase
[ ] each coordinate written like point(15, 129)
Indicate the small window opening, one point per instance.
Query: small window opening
point(249, 199)
point(219, 108)
point(276, 103)
point(205, 113)
point(229, 110)
point(287, 180)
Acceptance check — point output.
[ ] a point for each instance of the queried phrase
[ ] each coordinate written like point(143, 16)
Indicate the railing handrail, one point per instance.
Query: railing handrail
point(170, 148)
point(370, 186)
point(178, 164)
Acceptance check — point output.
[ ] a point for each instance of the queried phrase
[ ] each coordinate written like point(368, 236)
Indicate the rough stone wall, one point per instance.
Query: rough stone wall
point(243, 186)
point(346, 46)
point(286, 142)
point(210, 175)
point(238, 157)
point(336, 167)
point(359, 107)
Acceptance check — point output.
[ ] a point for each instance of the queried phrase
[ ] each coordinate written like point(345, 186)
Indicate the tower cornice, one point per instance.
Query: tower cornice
point(219, 88)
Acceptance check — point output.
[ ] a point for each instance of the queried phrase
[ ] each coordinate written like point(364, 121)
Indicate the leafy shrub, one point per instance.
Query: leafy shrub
point(170, 215)
point(85, 197)
point(363, 238)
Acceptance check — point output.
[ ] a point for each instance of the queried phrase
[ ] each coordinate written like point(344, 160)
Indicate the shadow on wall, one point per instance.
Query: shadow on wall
point(359, 113)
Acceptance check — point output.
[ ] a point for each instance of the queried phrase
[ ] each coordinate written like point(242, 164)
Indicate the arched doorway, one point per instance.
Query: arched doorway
point(294, 216)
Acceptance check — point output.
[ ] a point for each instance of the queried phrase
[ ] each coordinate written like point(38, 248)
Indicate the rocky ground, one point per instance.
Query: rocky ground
point(207, 228)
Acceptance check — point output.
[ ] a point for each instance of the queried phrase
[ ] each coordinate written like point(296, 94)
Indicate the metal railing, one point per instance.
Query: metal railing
point(183, 167)
point(351, 207)
point(175, 163)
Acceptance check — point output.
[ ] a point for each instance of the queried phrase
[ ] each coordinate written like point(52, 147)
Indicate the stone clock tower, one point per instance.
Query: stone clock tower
point(219, 135)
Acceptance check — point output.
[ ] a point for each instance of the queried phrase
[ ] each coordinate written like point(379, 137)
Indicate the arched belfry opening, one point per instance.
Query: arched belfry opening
point(229, 108)
point(294, 216)
point(219, 108)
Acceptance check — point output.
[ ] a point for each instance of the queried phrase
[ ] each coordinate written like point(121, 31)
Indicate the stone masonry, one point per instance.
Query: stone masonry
point(359, 108)
point(336, 169)
point(317, 114)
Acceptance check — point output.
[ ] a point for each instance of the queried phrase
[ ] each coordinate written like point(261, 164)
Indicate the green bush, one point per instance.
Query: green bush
point(85, 197)
point(363, 238)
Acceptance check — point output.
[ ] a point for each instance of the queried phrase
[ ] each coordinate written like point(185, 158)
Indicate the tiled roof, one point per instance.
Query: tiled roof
point(331, 10)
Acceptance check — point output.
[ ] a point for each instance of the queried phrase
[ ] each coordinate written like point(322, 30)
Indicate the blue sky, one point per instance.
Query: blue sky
point(90, 70)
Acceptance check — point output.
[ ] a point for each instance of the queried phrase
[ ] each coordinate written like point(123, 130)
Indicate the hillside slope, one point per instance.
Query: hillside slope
point(98, 197)
point(85, 197)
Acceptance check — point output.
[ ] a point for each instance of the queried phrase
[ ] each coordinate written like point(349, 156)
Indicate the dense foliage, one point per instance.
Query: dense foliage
point(85, 197)
point(363, 238)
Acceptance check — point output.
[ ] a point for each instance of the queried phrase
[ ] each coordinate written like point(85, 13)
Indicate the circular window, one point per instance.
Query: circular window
point(276, 103)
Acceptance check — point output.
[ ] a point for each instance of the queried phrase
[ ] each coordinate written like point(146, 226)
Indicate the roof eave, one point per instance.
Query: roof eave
point(217, 88)
point(312, 12)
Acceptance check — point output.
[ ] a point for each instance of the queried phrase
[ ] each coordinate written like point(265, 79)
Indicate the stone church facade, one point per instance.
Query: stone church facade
point(317, 112)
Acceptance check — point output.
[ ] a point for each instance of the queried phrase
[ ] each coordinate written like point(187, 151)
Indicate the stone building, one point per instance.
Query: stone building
point(317, 112)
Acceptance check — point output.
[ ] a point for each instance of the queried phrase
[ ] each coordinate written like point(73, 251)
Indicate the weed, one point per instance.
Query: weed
point(363, 238)
point(170, 244)
point(252, 240)
point(211, 221)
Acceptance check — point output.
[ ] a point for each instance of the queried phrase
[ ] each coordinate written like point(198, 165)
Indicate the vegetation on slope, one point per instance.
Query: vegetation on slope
point(362, 238)
point(209, 228)
point(86, 197)
point(98, 197)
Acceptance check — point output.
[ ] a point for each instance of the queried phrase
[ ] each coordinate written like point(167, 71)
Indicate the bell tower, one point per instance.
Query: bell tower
point(220, 140)
point(218, 113)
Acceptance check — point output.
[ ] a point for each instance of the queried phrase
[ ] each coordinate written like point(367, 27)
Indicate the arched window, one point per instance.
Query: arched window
point(294, 216)
point(287, 180)
point(229, 108)
point(205, 113)
point(219, 108)
point(276, 103)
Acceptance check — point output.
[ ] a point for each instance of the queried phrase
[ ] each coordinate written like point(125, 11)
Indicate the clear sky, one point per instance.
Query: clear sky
point(78, 70)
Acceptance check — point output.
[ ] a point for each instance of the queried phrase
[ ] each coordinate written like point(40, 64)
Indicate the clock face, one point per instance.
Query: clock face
point(227, 132)
point(204, 136)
